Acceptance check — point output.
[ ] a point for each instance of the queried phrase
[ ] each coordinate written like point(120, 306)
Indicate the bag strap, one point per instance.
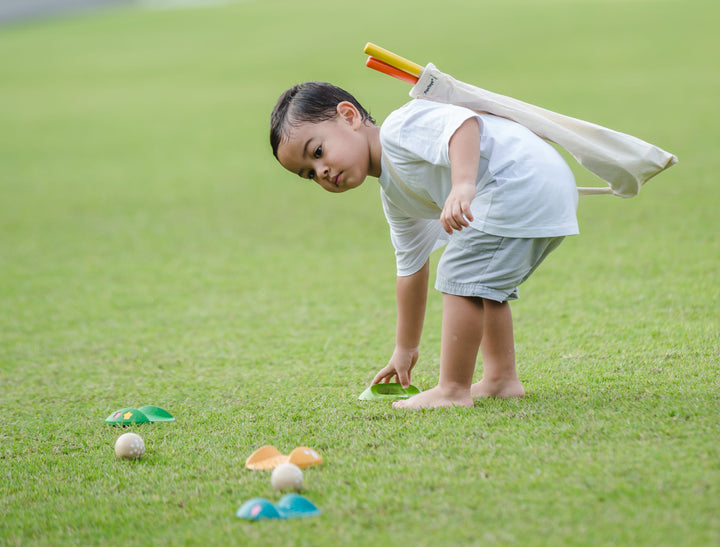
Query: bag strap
point(594, 190)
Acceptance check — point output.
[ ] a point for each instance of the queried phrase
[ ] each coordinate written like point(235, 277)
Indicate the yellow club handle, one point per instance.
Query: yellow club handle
point(392, 59)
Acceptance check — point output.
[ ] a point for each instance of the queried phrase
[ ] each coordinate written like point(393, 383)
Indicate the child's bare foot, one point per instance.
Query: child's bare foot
point(498, 388)
point(435, 397)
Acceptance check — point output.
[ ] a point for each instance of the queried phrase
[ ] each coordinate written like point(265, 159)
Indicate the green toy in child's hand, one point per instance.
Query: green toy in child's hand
point(388, 392)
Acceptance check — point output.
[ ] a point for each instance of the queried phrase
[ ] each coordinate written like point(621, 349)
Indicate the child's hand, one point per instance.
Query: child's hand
point(456, 213)
point(400, 365)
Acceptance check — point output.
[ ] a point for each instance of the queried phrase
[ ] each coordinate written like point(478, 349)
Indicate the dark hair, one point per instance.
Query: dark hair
point(312, 102)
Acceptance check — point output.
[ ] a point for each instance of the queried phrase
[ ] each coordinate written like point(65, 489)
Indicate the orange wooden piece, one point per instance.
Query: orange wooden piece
point(382, 66)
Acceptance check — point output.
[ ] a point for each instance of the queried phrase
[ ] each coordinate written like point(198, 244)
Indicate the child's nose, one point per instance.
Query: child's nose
point(324, 171)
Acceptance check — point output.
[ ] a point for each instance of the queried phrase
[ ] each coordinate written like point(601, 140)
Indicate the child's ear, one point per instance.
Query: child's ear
point(349, 114)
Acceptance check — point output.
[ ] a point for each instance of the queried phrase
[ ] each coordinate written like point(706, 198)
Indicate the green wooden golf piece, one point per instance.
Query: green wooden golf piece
point(388, 392)
point(144, 414)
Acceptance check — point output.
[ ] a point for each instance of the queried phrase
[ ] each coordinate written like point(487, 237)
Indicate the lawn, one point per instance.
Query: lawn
point(152, 251)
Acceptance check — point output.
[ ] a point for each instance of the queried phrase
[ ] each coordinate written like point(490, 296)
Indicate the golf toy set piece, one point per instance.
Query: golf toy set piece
point(289, 506)
point(286, 468)
point(388, 392)
point(144, 414)
point(286, 475)
point(268, 457)
point(129, 446)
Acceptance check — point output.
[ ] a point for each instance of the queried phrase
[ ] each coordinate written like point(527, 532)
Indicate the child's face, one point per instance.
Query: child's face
point(334, 153)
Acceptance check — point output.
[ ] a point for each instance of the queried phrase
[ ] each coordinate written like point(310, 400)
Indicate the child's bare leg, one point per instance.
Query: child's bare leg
point(462, 331)
point(498, 353)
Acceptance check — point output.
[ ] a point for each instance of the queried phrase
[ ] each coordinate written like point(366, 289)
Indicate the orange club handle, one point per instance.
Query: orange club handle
point(385, 68)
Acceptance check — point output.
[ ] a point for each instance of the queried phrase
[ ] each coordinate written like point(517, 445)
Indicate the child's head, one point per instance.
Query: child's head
point(322, 133)
point(309, 102)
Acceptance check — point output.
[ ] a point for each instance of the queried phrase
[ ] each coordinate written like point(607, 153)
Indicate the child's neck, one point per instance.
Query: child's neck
point(372, 132)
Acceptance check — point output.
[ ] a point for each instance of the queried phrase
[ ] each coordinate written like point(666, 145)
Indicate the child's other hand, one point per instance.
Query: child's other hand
point(400, 366)
point(456, 213)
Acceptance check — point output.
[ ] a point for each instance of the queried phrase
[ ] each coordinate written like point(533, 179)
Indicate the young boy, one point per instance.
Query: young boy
point(499, 196)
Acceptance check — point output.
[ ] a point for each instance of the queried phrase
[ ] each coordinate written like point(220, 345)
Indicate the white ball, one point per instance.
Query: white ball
point(287, 476)
point(129, 446)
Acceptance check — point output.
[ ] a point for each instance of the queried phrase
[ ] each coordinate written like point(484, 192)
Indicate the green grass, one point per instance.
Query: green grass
point(153, 252)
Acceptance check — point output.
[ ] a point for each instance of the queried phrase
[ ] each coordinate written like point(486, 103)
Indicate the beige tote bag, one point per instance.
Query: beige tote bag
point(623, 161)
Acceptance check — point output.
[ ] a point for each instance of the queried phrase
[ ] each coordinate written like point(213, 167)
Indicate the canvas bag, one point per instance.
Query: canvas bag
point(623, 161)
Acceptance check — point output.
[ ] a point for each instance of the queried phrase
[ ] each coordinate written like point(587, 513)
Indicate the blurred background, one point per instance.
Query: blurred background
point(18, 10)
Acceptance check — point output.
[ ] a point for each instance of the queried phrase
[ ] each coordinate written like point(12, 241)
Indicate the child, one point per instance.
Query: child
point(499, 196)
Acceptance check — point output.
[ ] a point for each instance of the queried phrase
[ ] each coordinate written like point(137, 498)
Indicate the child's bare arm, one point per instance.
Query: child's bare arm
point(464, 152)
point(411, 301)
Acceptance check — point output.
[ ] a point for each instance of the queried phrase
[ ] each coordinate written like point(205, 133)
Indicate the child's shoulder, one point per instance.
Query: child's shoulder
point(424, 112)
point(426, 106)
point(424, 119)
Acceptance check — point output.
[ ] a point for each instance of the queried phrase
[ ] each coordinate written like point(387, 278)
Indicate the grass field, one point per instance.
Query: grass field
point(153, 252)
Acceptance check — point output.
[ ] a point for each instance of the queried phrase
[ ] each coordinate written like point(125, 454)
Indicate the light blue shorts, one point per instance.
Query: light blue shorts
point(478, 264)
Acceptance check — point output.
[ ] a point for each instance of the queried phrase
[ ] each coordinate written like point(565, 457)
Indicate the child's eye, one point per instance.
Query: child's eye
point(318, 152)
point(311, 174)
